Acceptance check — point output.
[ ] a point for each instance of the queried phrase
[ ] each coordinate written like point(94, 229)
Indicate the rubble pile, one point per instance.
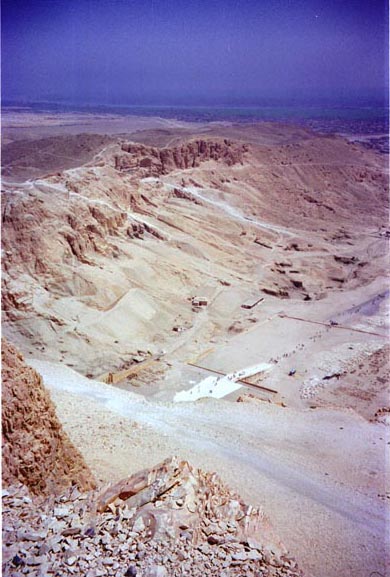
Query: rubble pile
point(169, 521)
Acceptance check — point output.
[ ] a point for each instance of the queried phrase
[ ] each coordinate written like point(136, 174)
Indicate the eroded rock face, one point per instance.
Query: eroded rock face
point(36, 451)
point(155, 161)
point(41, 236)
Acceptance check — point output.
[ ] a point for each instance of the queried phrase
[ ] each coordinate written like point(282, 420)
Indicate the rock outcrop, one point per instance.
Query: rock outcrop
point(36, 450)
point(41, 235)
point(170, 521)
point(157, 161)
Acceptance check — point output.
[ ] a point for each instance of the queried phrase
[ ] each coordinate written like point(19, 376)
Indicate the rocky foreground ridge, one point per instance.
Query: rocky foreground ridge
point(172, 520)
point(36, 450)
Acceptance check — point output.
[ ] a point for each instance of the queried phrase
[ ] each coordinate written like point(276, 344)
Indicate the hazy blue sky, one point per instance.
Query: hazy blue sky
point(193, 51)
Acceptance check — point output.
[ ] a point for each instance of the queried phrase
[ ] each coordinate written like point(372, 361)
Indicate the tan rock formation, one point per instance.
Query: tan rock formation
point(70, 232)
point(36, 451)
point(156, 161)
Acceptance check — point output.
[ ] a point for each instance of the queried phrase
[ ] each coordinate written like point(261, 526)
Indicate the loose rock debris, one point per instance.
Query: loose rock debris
point(172, 520)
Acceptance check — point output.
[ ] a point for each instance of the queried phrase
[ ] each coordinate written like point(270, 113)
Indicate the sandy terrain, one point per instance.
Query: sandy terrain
point(101, 266)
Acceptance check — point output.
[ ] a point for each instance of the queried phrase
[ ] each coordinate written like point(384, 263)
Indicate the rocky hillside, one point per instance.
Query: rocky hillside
point(36, 451)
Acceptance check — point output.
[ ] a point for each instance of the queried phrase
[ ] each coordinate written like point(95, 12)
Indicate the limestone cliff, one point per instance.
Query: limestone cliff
point(157, 161)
